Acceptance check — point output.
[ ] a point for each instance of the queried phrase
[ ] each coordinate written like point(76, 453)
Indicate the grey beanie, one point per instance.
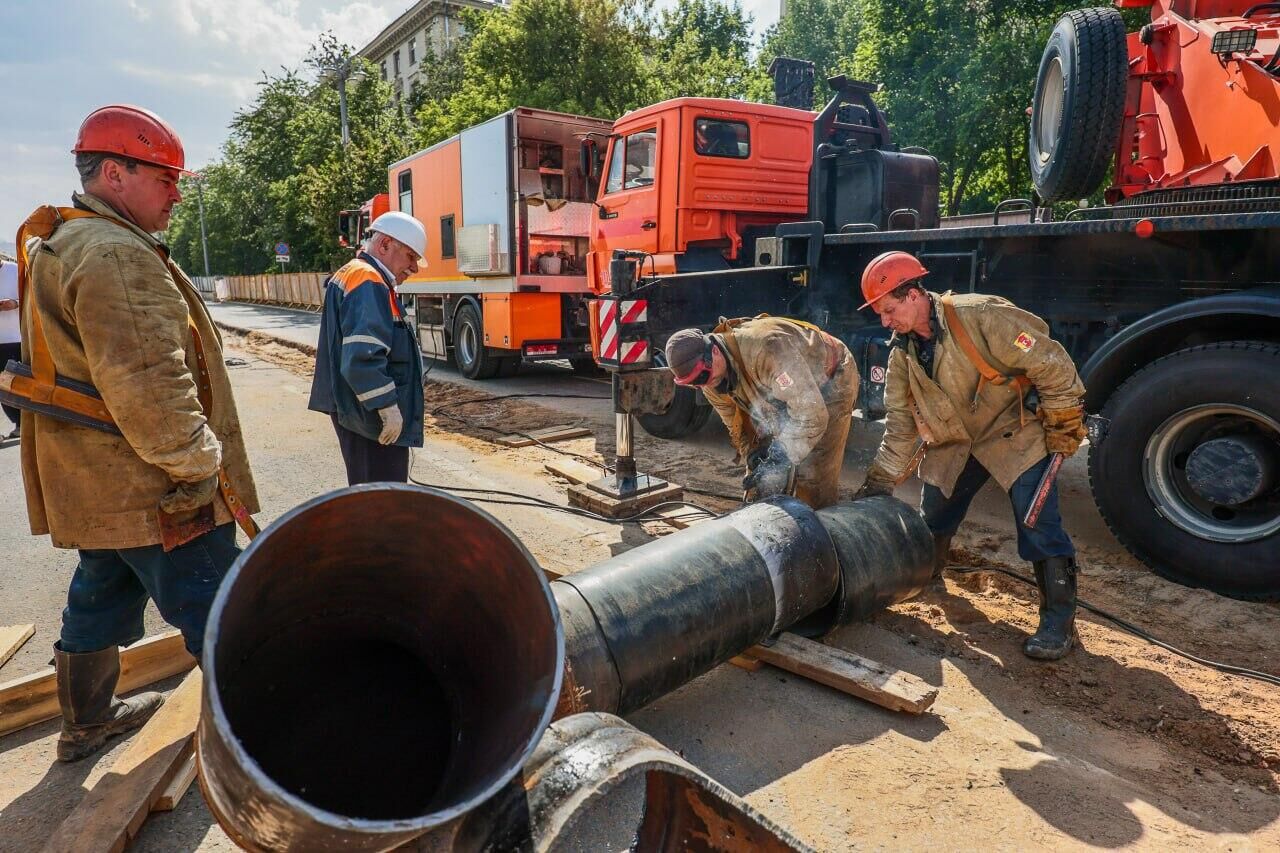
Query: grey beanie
point(684, 350)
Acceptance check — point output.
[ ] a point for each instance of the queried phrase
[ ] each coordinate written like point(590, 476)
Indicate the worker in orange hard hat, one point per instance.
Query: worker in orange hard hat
point(976, 388)
point(146, 481)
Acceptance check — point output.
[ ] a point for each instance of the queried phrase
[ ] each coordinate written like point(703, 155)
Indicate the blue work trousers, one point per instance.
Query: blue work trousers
point(110, 588)
point(1047, 539)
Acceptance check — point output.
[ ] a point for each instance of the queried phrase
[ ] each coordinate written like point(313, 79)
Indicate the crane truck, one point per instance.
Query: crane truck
point(1167, 295)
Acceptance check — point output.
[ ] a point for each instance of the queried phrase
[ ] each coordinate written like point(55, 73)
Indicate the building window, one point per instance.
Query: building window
point(446, 237)
point(404, 184)
point(716, 138)
point(413, 50)
point(395, 62)
point(384, 69)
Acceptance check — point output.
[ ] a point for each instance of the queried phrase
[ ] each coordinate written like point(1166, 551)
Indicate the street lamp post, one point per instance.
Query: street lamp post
point(204, 240)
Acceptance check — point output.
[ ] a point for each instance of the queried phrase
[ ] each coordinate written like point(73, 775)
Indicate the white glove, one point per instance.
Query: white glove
point(392, 424)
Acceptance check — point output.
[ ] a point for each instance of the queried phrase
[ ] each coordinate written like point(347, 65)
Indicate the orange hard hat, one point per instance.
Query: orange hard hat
point(131, 132)
point(886, 273)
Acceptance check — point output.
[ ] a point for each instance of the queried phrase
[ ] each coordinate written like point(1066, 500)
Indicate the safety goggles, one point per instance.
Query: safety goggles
point(701, 372)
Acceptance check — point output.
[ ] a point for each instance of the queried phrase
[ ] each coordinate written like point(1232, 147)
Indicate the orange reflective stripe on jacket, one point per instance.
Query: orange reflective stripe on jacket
point(356, 272)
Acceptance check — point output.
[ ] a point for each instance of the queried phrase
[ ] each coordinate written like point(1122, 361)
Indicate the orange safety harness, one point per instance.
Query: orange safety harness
point(38, 388)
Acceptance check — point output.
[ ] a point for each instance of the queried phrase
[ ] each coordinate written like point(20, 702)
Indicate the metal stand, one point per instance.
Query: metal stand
point(625, 491)
point(625, 482)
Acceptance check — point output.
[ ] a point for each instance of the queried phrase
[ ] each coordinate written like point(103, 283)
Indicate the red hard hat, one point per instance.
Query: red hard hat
point(886, 273)
point(131, 132)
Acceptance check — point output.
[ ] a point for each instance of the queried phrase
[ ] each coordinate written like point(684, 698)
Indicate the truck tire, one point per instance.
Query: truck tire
point(1079, 104)
point(683, 417)
point(1187, 475)
point(470, 354)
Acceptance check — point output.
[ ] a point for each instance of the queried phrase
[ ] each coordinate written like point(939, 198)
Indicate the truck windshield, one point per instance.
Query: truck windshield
point(633, 162)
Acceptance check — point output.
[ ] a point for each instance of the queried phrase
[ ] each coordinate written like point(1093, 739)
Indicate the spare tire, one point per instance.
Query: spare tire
point(1079, 104)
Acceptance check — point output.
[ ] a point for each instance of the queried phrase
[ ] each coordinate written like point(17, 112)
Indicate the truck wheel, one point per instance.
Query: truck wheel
point(1079, 104)
point(469, 352)
point(683, 417)
point(1188, 474)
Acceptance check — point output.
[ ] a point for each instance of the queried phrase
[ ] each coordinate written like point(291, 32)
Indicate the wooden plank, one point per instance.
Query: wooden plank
point(849, 673)
point(34, 698)
point(585, 497)
point(573, 470)
point(114, 810)
point(11, 639)
point(172, 795)
point(544, 436)
point(746, 661)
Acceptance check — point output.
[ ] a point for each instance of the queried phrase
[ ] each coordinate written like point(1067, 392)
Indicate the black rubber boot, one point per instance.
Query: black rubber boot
point(91, 713)
point(941, 553)
point(1056, 578)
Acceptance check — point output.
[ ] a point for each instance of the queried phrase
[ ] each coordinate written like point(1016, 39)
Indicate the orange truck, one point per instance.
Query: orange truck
point(507, 206)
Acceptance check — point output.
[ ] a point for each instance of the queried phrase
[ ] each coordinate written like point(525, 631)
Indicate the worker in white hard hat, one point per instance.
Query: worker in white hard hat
point(368, 365)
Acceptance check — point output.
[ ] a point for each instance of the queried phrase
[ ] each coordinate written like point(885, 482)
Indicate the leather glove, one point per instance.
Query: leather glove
point(878, 482)
point(772, 475)
point(1063, 429)
point(392, 424)
point(187, 497)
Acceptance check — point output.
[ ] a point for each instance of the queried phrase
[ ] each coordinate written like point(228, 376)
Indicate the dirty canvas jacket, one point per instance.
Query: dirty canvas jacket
point(989, 426)
point(782, 370)
point(115, 316)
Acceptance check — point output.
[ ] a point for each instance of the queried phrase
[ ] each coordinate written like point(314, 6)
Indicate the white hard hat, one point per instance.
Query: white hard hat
point(402, 227)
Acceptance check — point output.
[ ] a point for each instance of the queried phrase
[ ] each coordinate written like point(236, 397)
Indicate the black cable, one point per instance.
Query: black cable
point(1230, 669)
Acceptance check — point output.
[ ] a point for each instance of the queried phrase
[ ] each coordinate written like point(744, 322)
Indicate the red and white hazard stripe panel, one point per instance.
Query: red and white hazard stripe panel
point(631, 311)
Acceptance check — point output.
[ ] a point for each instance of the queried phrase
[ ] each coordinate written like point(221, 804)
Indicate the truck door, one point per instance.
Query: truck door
point(627, 212)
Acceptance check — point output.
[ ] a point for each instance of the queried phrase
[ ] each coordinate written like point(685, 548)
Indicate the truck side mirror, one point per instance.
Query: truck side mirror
point(589, 159)
point(344, 228)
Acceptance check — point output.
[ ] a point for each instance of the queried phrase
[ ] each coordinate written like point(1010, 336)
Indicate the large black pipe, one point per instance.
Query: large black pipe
point(379, 661)
point(383, 658)
point(641, 624)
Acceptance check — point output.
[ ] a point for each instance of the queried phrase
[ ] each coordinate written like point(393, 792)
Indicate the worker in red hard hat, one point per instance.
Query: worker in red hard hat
point(977, 389)
point(133, 481)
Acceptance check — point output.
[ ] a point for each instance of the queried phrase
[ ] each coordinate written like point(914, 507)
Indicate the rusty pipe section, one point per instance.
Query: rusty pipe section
point(643, 623)
point(383, 659)
point(380, 660)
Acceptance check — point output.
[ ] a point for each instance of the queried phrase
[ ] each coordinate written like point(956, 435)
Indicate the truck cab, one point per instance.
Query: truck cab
point(692, 182)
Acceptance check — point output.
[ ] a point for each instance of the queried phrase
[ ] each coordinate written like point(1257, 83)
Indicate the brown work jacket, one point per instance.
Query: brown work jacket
point(115, 315)
point(989, 425)
point(782, 367)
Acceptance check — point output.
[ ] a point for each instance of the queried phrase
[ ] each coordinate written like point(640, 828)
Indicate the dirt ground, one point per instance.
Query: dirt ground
point(1122, 745)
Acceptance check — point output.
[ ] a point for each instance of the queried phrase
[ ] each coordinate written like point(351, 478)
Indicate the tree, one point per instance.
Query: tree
point(576, 56)
point(701, 49)
point(825, 32)
point(284, 173)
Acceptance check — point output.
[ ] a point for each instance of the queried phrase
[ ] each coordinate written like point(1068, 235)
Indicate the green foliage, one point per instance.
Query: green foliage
point(958, 76)
point(284, 174)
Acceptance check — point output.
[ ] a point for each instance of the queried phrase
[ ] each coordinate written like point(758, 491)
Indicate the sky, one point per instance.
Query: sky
point(193, 62)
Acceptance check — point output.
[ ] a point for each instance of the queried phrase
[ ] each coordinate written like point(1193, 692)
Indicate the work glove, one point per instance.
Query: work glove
point(772, 475)
point(878, 482)
point(1063, 429)
point(187, 497)
point(392, 424)
point(757, 455)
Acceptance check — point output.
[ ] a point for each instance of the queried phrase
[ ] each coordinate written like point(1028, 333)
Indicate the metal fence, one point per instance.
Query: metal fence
point(298, 290)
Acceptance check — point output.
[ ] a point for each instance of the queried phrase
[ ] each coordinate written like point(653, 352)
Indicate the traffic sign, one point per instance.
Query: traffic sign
point(282, 248)
point(282, 259)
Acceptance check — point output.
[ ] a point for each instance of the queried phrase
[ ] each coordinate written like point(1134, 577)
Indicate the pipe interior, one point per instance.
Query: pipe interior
point(387, 654)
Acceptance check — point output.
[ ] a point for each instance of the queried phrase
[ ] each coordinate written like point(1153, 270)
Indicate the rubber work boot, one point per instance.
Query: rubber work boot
point(941, 553)
point(1056, 578)
point(91, 713)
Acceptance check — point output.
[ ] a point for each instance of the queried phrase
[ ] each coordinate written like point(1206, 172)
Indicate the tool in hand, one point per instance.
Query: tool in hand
point(1041, 495)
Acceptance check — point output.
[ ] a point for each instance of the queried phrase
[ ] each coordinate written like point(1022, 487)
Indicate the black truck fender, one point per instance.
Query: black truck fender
point(1252, 314)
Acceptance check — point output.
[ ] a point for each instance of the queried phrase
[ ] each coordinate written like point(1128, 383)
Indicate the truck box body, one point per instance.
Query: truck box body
point(507, 210)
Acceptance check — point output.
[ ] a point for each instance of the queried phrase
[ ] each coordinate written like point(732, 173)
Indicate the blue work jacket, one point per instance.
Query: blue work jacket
point(367, 357)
